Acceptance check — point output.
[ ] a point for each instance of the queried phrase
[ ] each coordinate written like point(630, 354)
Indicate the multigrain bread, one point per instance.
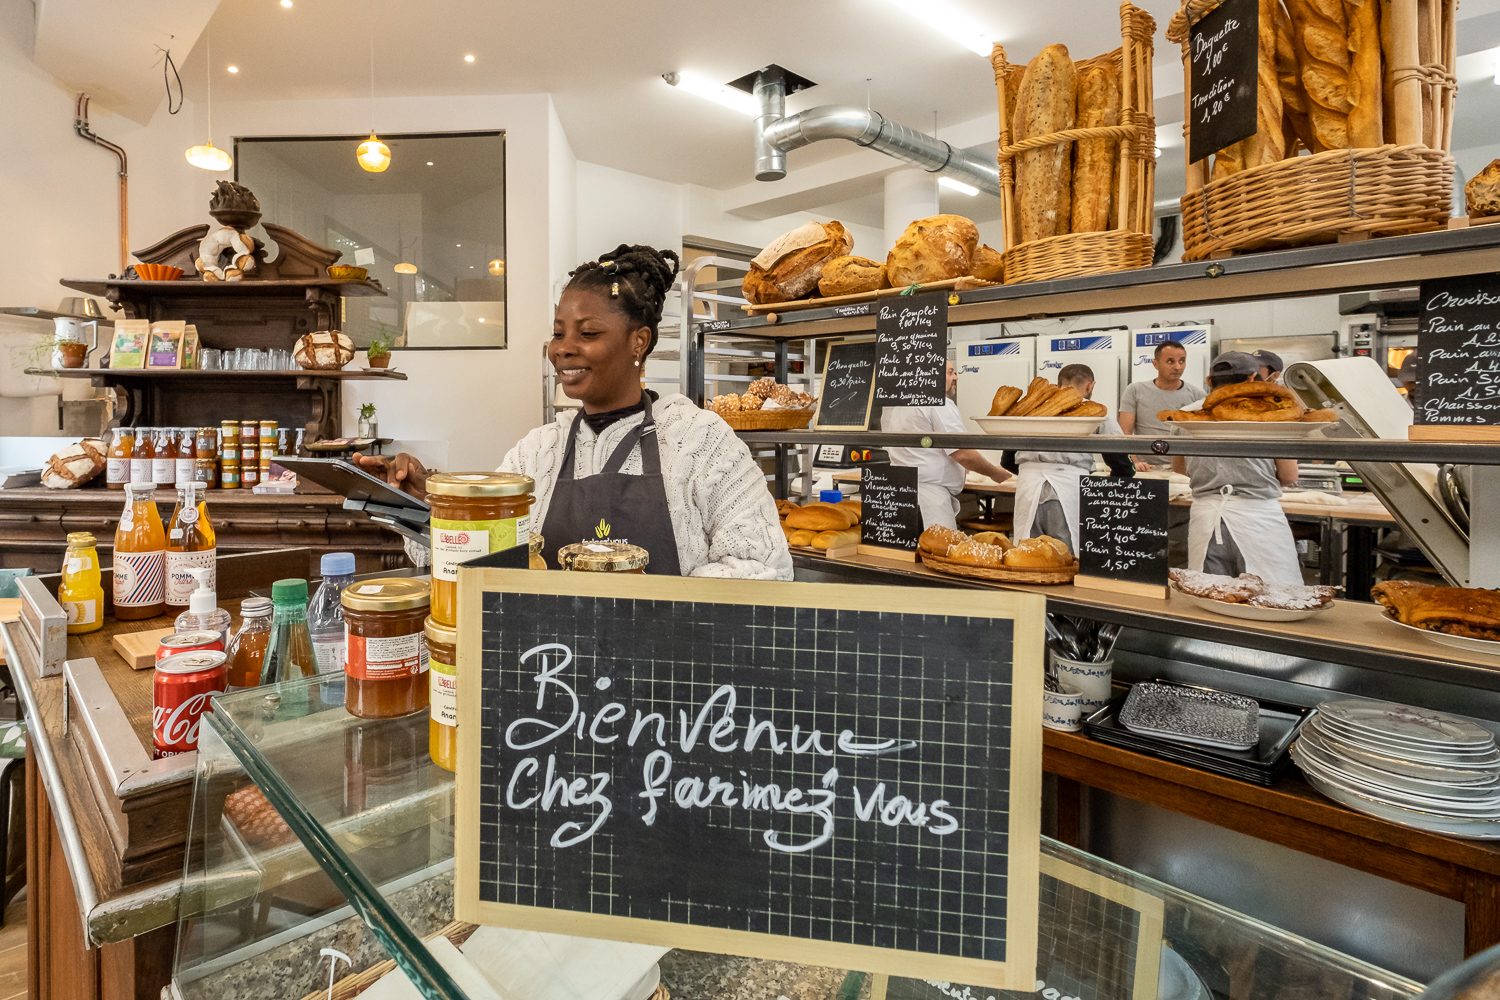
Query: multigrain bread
point(789, 268)
point(932, 249)
point(850, 275)
point(1046, 103)
point(1095, 161)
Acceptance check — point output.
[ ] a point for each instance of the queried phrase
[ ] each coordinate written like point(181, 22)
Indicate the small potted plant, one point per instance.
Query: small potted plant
point(379, 353)
point(369, 426)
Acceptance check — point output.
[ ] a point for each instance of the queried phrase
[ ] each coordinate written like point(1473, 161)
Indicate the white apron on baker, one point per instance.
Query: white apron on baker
point(939, 507)
point(1260, 529)
point(1029, 482)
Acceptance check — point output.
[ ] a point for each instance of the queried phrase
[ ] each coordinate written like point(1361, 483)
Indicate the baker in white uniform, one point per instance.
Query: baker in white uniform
point(1237, 524)
point(940, 472)
point(1047, 481)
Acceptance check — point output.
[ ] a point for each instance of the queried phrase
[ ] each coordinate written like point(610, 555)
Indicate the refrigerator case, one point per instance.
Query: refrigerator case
point(1106, 352)
point(1198, 340)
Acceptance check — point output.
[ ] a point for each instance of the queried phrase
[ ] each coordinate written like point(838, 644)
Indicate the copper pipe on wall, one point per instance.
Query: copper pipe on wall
point(81, 126)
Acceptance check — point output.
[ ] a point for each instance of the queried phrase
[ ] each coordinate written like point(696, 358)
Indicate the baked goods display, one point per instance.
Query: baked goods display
point(1262, 402)
point(851, 275)
point(75, 465)
point(821, 525)
point(932, 249)
point(1250, 590)
point(991, 555)
point(1046, 102)
point(765, 405)
point(789, 268)
point(1459, 611)
point(1043, 399)
point(256, 819)
point(1482, 192)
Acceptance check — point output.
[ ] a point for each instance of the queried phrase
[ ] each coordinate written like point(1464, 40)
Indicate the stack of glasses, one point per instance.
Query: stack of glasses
point(1413, 766)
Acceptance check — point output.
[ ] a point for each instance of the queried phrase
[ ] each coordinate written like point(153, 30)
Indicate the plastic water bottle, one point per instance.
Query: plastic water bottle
point(203, 607)
point(325, 613)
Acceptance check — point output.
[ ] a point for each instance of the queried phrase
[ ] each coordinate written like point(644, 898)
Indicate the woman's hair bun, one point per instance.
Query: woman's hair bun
point(643, 274)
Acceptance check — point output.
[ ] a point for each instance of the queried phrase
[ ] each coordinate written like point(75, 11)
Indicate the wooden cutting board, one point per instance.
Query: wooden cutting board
point(139, 648)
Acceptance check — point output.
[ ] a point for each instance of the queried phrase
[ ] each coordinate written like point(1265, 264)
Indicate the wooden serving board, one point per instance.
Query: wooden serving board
point(954, 284)
point(1003, 574)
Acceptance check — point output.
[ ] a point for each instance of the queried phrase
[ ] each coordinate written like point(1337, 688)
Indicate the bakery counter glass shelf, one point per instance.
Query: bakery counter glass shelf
point(321, 853)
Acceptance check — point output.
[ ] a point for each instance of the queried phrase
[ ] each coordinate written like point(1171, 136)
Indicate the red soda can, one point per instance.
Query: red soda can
point(187, 642)
point(183, 684)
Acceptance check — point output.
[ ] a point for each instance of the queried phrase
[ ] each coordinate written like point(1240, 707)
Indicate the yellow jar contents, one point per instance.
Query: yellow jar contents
point(80, 593)
point(442, 652)
point(603, 557)
point(473, 514)
point(537, 560)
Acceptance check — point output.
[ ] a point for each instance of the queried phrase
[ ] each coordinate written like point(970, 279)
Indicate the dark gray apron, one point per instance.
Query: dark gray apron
point(613, 506)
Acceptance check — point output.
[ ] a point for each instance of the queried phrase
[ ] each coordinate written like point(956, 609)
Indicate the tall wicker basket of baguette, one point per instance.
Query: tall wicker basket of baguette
point(1369, 159)
point(1128, 241)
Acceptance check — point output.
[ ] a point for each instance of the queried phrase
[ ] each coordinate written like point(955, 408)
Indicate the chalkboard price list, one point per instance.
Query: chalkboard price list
point(911, 335)
point(1458, 367)
point(1224, 48)
point(892, 518)
point(1123, 529)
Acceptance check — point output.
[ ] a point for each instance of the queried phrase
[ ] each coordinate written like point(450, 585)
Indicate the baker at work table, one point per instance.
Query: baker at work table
point(940, 473)
point(662, 473)
point(1237, 524)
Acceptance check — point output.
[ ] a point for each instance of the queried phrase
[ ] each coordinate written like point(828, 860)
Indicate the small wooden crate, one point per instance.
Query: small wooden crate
point(1404, 186)
point(1130, 243)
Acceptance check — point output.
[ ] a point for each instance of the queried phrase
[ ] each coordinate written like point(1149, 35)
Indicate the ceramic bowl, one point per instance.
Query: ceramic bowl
point(346, 272)
point(157, 272)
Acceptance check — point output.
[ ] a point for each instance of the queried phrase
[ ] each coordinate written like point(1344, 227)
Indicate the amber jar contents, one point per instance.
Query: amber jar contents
point(386, 655)
point(537, 560)
point(442, 653)
point(603, 557)
point(473, 514)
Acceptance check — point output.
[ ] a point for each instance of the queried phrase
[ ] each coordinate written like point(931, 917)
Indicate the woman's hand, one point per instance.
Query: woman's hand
point(402, 471)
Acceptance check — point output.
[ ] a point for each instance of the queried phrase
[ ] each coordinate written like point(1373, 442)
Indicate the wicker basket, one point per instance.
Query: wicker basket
point(767, 420)
point(1404, 186)
point(1000, 574)
point(1130, 242)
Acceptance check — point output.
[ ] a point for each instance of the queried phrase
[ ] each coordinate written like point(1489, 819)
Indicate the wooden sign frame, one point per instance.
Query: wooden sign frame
point(869, 397)
point(1023, 788)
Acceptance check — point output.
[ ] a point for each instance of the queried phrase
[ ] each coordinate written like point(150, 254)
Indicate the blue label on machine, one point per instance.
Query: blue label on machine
point(1104, 343)
point(994, 348)
point(1187, 338)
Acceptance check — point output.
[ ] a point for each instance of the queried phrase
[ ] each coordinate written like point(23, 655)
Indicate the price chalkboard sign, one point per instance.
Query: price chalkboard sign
point(1458, 359)
point(846, 776)
point(1122, 528)
point(891, 517)
point(911, 354)
point(1225, 53)
point(848, 386)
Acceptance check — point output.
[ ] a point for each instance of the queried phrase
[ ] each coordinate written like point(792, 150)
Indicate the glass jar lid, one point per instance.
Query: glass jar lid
point(537, 543)
point(388, 593)
point(480, 484)
point(438, 632)
point(602, 557)
point(81, 539)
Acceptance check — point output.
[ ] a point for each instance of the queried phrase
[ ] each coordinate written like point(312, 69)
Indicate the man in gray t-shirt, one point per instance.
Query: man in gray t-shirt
point(1142, 401)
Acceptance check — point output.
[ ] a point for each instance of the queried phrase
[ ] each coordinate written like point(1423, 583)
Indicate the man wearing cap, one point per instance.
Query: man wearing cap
point(1237, 524)
point(1270, 366)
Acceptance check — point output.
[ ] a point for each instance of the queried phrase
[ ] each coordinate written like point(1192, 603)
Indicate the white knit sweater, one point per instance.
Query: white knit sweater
point(722, 514)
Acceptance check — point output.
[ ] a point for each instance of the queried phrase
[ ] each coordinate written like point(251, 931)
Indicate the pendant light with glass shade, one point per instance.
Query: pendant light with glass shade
point(209, 156)
point(373, 154)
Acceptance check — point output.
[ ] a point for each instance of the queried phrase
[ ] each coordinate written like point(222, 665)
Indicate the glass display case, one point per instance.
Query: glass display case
point(321, 858)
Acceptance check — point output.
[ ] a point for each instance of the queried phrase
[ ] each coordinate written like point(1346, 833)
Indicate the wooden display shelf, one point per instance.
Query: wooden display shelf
point(340, 374)
point(185, 286)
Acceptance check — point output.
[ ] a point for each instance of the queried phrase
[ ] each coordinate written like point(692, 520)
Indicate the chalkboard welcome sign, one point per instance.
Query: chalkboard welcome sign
point(911, 358)
point(1458, 363)
point(1122, 527)
point(827, 774)
point(848, 385)
point(1224, 50)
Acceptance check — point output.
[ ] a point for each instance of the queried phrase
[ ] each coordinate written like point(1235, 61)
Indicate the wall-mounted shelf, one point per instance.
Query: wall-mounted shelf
point(118, 289)
point(341, 374)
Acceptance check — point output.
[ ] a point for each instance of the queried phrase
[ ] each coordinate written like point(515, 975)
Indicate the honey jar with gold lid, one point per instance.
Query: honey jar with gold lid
point(603, 557)
point(442, 729)
point(386, 659)
point(473, 514)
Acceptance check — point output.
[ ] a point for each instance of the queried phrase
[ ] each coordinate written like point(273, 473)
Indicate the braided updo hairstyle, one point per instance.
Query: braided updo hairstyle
point(643, 275)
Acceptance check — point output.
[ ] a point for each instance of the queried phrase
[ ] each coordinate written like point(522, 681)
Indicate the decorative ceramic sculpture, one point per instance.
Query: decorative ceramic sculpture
point(228, 254)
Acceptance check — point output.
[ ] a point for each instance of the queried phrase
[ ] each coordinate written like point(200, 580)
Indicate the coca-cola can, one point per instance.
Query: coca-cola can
point(187, 642)
point(184, 682)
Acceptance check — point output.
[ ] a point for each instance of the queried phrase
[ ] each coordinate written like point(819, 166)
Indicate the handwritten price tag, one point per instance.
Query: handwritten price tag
point(1224, 48)
point(1458, 364)
point(1122, 526)
point(911, 356)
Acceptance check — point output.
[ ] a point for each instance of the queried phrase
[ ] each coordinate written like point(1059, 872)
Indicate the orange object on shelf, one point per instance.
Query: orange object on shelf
point(247, 647)
point(386, 657)
point(140, 561)
point(442, 729)
point(117, 463)
point(144, 456)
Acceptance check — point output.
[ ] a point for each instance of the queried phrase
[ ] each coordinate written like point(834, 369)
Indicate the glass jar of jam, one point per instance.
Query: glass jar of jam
point(386, 652)
point(473, 514)
point(603, 557)
point(442, 651)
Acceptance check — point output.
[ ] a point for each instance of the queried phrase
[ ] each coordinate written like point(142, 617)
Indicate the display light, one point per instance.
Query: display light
point(941, 16)
point(959, 186)
point(208, 156)
point(373, 154)
point(497, 268)
point(744, 103)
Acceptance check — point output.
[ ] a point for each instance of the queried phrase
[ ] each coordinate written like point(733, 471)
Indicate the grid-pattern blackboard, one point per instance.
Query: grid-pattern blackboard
point(873, 865)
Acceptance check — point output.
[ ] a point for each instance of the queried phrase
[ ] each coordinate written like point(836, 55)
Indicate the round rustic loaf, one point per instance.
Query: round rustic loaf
point(932, 249)
point(851, 275)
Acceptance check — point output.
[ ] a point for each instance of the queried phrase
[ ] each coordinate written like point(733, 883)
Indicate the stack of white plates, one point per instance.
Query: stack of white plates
point(1413, 766)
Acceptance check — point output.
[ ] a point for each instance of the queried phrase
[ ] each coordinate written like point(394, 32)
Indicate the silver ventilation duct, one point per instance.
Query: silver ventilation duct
point(775, 134)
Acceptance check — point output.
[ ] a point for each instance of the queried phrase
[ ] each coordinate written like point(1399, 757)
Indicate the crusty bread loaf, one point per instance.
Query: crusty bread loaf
point(987, 264)
point(856, 507)
point(1482, 193)
point(785, 507)
point(794, 274)
point(820, 517)
point(1047, 103)
point(835, 539)
point(1095, 161)
point(932, 249)
point(75, 465)
point(1289, 81)
point(1366, 82)
point(848, 275)
point(1320, 35)
point(1013, 75)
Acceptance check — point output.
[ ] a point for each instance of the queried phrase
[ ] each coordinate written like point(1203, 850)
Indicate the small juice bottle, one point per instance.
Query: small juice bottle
point(190, 545)
point(247, 647)
point(142, 459)
point(186, 460)
point(164, 465)
point(117, 464)
point(80, 592)
point(140, 566)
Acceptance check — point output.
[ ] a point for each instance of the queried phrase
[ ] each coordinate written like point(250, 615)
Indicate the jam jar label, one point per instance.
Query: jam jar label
point(455, 542)
point(386, 659)
point(443, 694)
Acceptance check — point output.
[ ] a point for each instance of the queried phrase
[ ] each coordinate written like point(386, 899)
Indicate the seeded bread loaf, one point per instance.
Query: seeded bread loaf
point(1047, 103)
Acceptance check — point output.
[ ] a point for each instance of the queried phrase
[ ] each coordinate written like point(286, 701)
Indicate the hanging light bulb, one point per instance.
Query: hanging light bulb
point(406, 269)
point(373, 154)
point(208, 156)
point(497, 267)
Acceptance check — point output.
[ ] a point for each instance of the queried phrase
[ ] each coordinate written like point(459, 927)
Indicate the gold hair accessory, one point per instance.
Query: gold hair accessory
point(614, 290)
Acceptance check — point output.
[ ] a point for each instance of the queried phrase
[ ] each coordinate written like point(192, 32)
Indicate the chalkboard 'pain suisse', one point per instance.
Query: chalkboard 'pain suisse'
point(1458, 364)
point(1122, 527)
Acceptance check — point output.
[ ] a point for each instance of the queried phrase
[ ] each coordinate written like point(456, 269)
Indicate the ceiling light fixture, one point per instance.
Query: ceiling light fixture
point(207, 156)
point(740, 101)
point(404, 268)
point(373, 155)
point(429, 163)
point(233, 69)
point(286, 3)
point(953, 185)
point(939, 14)
point(497, 267)
point(468, 58)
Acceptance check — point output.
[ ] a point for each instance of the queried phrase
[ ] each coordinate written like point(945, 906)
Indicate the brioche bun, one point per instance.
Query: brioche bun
point(993, 538)
point(938, 539)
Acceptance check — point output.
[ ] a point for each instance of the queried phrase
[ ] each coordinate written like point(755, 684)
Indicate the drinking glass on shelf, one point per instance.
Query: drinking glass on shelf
point(208, 359)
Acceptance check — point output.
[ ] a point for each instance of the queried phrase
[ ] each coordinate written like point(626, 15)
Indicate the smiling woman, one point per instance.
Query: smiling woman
point(659, 472)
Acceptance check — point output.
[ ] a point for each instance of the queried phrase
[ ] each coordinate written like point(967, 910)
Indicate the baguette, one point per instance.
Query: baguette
point(1013, 76)
point(1095, 161)
point(1320, 37)
point(1293, 100)
point(1047, 103)
point(1365, 79)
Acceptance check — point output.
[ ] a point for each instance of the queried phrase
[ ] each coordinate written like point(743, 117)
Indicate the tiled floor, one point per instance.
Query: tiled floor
point(13, 952)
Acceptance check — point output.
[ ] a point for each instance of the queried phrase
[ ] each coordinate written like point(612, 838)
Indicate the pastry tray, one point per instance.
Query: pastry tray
point(1265, 765)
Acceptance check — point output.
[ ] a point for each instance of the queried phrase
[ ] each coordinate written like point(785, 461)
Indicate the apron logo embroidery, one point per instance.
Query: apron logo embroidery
point(602, 531)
